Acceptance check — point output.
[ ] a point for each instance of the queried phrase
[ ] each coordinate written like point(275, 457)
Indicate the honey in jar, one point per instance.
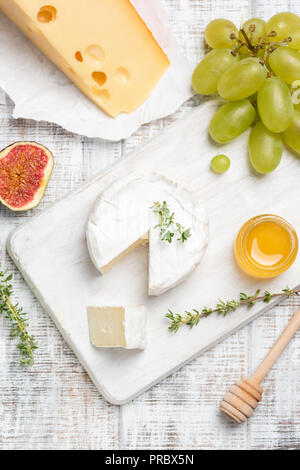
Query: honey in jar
point(266, 246)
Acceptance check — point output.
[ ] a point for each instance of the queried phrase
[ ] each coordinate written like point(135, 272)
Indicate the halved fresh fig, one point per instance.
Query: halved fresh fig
point(25, 169)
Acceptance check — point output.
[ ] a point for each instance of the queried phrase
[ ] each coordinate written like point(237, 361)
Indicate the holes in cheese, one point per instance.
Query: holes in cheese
point(78, 56)
point(47, 14)
point(99, 77)
point(103, 94)
point(122, 220)
point(95, 53)
point(122, 76)
point(111, 37)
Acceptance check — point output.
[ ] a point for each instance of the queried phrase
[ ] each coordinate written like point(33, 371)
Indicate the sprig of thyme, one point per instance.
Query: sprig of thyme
point(168, 226)
point(18, 318)
point(192, 318)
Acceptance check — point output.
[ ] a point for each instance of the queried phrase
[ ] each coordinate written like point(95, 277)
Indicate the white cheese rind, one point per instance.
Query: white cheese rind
point(135, 327)
point(122, 216)
point(119, 218)
point(171, 263)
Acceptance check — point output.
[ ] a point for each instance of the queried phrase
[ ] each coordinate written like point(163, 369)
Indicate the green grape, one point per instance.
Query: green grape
point(206, 75)
point(297, 107)
point(265, 149)
point(220, 163)
point(242, 79)
point(292, 135)
point(244, 53)
point(254, 36)
point(296, 95)
point(231, 120)
point(282, 23)
point(295, 37)
point(218, 32)
point(285, 63)
point(275, 105)
point(257, 117)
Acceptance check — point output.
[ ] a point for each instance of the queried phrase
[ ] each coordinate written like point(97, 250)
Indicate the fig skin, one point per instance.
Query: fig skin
point(44, 181)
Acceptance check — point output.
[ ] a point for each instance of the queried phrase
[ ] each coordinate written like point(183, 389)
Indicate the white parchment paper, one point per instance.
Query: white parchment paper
point(41, 91)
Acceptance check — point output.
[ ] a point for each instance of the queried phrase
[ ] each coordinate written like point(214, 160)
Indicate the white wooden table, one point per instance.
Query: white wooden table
point(54, 405)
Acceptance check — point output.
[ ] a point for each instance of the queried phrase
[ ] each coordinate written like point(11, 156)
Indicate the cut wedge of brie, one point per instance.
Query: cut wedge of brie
point(117, 327)
point(122, 220)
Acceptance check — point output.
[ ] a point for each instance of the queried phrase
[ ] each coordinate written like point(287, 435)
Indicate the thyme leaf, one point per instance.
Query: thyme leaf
point(18, 318)
point(167, 225)
point(192, 318)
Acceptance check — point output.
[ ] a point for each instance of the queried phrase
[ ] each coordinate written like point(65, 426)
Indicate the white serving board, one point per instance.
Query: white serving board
point(50, 250)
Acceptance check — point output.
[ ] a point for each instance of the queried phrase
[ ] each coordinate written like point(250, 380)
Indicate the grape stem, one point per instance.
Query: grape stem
point(248, 42)
point(263, 44)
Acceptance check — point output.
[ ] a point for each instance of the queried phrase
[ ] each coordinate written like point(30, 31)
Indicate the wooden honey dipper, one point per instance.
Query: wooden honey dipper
point(240, 403)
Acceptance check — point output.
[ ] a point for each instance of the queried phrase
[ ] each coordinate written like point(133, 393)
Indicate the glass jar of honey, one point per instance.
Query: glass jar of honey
point(266, 246)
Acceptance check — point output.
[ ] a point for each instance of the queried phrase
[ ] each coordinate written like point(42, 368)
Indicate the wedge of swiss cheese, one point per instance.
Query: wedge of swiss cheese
point(103, 46)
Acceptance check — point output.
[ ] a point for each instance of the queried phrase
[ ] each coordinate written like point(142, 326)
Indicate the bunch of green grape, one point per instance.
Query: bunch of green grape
point(254, 70)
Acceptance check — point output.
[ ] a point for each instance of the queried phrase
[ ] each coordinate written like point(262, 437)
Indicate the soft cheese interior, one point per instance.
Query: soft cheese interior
point(118, 327)
point(122, 219)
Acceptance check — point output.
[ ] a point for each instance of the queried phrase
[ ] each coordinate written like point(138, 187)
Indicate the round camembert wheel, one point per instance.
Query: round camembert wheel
point(122, 220)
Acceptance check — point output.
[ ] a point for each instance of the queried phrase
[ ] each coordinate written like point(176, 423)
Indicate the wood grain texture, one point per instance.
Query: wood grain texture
point(55, 405)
